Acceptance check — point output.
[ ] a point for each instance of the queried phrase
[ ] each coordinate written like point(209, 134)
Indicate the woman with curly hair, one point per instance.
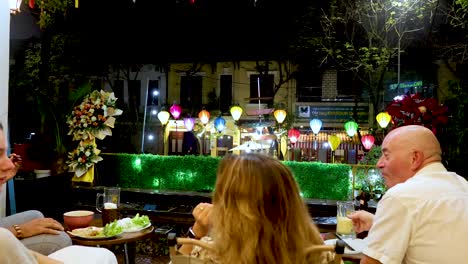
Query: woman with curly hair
point(257, 215)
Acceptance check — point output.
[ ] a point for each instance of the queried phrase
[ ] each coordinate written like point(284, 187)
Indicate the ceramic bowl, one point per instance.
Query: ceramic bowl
point(78, 219)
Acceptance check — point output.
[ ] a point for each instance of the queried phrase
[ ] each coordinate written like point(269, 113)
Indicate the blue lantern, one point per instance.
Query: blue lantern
point(220, 123)
point(316, 125)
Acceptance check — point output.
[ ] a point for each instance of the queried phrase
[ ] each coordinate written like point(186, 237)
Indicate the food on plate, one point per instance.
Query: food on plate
point(90, 231)
point(134, 224)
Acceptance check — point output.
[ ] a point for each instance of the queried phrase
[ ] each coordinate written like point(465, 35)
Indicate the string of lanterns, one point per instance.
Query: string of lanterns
point(280, 115)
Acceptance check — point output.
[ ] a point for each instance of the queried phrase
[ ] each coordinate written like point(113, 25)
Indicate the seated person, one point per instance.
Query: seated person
point(12, 251)
point(257, 215)
point(44, 235)
point(423, 217)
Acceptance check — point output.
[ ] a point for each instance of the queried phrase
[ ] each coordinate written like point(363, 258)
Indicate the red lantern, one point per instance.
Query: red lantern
point(293, 135)
point(367, 141)
point(175, 111)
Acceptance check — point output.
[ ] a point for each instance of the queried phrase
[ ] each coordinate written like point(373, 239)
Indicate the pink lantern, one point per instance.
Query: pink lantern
point(175, 111)
point(189, 123)
point(293, 135)
point(367, 141)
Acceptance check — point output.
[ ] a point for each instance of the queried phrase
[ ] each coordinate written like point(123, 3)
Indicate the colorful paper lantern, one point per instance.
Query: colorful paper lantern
point(236, 112)
point(189, 123)
point(280, 115)
point(163, 117)
point(175, 111)
point(367, 141)
point(315, 125)
point(294, 135)
point(351, 128)
point(204, 116)
point(220, 123)
point(334, 141)
point(383, 118)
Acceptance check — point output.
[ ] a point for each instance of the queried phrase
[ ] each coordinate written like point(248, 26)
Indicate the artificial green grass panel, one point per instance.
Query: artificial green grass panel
point(321, 180)
point(177, 173)
point(198, 174)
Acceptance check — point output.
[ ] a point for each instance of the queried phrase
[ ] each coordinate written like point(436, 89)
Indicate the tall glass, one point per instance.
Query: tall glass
point(344, 225)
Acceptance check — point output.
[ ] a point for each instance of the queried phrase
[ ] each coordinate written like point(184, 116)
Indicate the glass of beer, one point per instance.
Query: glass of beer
point(344, 225)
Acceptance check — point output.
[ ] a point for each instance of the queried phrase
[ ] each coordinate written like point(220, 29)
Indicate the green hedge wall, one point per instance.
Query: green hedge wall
point(198, 173)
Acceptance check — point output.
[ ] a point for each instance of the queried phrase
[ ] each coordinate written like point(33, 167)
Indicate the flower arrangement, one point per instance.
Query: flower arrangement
point(83, 157)
point(414, 109)
point(94, 117)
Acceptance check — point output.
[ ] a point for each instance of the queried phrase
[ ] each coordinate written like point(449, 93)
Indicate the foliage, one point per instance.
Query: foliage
point(368, 179)
point(364, 36)
point(455, 138)
point(198, 173)
point(414, 109)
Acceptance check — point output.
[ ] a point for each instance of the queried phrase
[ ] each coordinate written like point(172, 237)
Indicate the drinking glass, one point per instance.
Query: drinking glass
point(344, 225)
point(110, 204)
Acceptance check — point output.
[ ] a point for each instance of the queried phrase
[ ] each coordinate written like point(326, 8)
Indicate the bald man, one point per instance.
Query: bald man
point(423, 216)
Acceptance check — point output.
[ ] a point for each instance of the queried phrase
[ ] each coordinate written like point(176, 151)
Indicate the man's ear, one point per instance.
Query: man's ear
point(417, 159)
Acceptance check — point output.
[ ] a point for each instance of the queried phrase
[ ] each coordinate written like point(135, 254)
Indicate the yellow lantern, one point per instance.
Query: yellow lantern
point(383, 118)
point(236, 112)
point(280, 115)
point(334, 141)
point(163, 117)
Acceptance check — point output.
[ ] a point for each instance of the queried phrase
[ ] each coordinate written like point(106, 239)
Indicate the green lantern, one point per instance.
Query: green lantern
point(351, 128)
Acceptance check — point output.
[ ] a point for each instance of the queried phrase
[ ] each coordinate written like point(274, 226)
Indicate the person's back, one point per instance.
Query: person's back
point(435, 203)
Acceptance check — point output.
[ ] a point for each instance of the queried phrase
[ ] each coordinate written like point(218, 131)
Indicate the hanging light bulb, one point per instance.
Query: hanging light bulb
point(204, 116)
point(189, 123)
point(368, 141)
point(163, 117)
point(220, 123)
point(280, 115)
point(315, 125)
point(175, 111)
point(236, 112)
point(351, 128)
point(294, 135)
point(383, 118)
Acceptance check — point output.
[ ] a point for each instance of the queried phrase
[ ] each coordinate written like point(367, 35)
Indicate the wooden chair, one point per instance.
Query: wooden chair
point(177, 258)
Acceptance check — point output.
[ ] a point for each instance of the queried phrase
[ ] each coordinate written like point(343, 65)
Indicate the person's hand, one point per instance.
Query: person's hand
point(362, 220)
point(41, 226)
point(202, 213)
point(16, 159)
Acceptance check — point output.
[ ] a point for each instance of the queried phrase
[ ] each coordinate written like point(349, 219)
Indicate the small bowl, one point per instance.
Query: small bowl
point(78, 219)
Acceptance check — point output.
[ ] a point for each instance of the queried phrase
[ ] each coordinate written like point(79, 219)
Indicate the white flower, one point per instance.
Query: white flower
point(80, 159)
point(85, 125)
point(87, 153)
point(93, 118)
point(81, 149)
point(91, 110)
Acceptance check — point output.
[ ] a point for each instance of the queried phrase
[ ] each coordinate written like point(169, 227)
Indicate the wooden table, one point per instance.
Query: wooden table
point(355, 258)
point(123, 238)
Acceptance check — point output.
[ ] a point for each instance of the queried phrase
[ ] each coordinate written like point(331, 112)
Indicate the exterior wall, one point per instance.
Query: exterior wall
point(329, 84)
point(240, 81)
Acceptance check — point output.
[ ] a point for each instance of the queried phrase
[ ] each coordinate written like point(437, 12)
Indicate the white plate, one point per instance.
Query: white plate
point(91, 232)
point(136, 228)
point(358, 244)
